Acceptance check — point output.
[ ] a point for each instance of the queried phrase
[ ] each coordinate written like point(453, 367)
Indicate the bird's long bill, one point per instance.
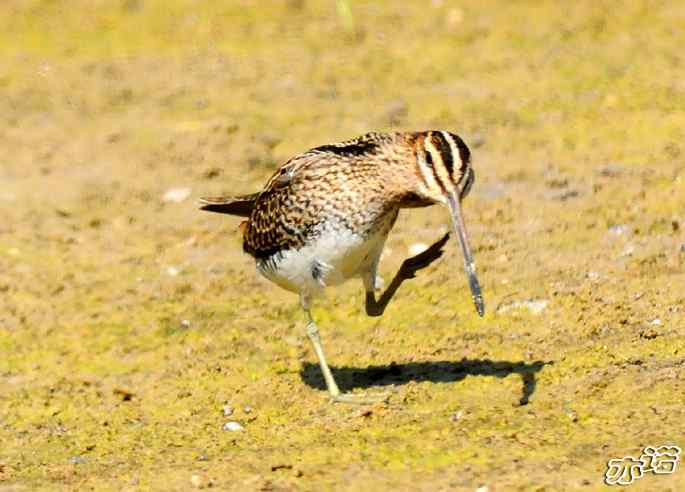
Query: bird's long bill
point(469, 265)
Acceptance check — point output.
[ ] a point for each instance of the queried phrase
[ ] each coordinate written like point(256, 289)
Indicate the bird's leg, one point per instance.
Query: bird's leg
point(408, 270)
point(333, 390)
point(315, 338)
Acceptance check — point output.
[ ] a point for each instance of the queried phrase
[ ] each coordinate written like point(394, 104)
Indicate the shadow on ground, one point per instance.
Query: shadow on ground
point(349, 378)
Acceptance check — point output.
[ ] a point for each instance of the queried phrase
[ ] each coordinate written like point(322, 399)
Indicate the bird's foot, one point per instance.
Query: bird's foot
point(361, 398)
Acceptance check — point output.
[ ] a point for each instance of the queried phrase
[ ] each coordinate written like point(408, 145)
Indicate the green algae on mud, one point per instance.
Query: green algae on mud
point(127, 323)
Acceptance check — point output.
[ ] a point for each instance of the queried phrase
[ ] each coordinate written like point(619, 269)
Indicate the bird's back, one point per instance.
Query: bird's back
point(341, 186)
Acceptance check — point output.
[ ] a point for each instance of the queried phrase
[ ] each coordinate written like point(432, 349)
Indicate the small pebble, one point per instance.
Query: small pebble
point(176, 195)
point(233, 426)
point(628, 251)
point(482, 488)
point(173, 271)
point(196, 480)
point(228, 411)
point(247, 409)
point(185, 323)
point(655, 322)
point(78, 460)
point(535, 306)
point(417, 248)
point(619, 230)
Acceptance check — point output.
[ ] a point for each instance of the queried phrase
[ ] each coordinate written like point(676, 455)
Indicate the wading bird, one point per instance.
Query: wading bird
point(324, 216)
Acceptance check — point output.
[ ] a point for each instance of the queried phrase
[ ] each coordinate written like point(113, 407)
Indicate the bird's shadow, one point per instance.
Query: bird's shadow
point(349, 378)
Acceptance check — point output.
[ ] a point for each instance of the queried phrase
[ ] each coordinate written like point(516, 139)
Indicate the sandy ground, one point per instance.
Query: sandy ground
point(132, 327)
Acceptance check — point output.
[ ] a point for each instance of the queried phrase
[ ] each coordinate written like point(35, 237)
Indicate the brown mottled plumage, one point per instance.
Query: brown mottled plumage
point(323, 217)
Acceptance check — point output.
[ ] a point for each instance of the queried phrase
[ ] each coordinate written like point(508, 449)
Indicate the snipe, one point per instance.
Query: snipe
point(324, 216)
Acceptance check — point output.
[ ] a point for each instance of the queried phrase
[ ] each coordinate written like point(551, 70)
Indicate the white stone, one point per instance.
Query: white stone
point(535, 306)
point(176, 195)
point(417, 248)
point(619, 230)
point(233, 426)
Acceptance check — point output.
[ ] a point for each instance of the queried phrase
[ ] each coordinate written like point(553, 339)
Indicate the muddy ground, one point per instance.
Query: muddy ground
point(131, 323)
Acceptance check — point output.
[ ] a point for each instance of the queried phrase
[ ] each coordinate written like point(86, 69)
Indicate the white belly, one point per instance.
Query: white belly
point(336, 255)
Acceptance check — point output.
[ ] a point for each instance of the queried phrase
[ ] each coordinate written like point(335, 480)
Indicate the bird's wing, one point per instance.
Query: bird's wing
point(283, 214)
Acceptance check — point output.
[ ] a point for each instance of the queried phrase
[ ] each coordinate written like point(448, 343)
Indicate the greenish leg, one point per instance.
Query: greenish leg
point(313, 334)
point(333, 390)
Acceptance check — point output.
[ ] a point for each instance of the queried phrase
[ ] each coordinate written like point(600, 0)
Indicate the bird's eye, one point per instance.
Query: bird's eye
point(429, 158)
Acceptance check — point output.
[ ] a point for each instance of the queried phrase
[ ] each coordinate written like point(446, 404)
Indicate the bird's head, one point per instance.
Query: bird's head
point(445, 176)
point(443, 163)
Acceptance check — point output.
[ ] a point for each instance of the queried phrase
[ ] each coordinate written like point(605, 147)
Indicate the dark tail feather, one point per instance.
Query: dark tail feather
point(234, 205)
